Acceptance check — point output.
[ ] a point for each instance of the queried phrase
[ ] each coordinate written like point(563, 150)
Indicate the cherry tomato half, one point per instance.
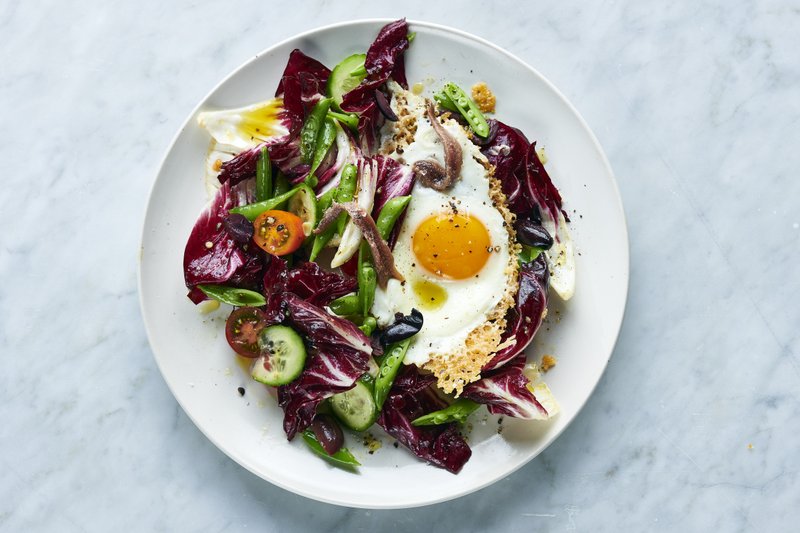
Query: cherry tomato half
point(242, 329)
point(278, 232)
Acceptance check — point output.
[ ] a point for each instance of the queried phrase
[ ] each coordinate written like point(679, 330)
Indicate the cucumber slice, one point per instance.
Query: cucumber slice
point(356, 407)
point(283, 356)
point(304, 205)
point(345, 77)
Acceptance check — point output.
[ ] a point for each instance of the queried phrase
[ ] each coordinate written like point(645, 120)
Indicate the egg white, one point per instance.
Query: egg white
point(469, 301)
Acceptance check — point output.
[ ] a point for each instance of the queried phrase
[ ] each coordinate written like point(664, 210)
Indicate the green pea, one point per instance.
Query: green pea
point(233, 295)
point(345, 305)
point(308, 134)
point(343, 457)
point(453, 94)
point(251, 211)
point(389, 366)
point(325, 138)
point(457, 411)
point(389, 214)
point(263, 176)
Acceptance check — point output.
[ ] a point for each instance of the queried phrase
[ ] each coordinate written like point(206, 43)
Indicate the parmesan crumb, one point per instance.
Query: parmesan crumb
point(484, 97)
point(548, 362)
point(371, 443)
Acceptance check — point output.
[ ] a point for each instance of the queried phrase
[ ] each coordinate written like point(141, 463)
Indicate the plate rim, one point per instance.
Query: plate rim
point(496, 49)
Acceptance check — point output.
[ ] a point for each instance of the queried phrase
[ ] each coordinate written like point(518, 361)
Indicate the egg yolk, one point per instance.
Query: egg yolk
point(452, 246)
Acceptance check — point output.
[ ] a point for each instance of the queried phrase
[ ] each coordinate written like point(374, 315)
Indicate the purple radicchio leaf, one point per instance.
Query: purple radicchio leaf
point(318, 286)
point(523, 178)
point(212, 256)
point(384, 60)
point(526, 316)
point(308, 281)
point(507, 391)
point(302, 84)
point(339, 355)
point(538, 186)
point(394, 179)
point(507, 153)
point(411, 397)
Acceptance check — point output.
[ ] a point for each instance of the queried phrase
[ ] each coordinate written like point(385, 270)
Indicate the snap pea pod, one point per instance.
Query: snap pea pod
point(389, 214)
point(342, 458)
point(345, 305)
point(346, 192)
point(233, 295)
point(325, 201)
point(457, 411)
point(343, 193)
point(348, 119)
point(366, 275)
point(368, 325)
point(325, 138)
point(263, 176)
point(444, 101)
point(310, 130)
point(251, 211)
point(282, 185)
point(367, 283)
point(468, 109)
point(389, 366)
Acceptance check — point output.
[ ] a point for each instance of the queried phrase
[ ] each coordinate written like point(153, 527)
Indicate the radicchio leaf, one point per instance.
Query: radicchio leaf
point(318, 286)
point(522, 175)
point(526, 316)
point(308, 281)
point(507, 153)
point(339, 355)
point(302, 84)
point(394, 179)
point(508, 391)
point(212, 255)
point(383, 61)
point(411, 397)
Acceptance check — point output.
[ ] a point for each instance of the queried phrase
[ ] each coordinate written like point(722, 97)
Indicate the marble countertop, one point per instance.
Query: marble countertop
point(694, 425)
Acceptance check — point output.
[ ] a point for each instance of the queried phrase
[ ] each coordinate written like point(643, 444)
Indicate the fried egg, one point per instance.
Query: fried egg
point(453, 249)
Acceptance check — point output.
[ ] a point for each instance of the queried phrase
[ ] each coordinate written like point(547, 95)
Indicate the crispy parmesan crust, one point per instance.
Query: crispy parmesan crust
point(456, 369)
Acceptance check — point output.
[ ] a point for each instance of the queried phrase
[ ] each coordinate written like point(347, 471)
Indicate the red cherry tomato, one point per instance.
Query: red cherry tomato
point(278, 232)
point(242, 329)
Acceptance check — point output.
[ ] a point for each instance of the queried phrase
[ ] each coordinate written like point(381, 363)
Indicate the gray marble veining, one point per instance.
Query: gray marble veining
point(695, 424)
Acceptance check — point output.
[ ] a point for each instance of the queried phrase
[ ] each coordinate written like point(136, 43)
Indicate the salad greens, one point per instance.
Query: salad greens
point(309, 330)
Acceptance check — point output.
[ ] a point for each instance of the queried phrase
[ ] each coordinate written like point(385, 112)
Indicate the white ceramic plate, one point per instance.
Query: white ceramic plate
point(201, 370)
